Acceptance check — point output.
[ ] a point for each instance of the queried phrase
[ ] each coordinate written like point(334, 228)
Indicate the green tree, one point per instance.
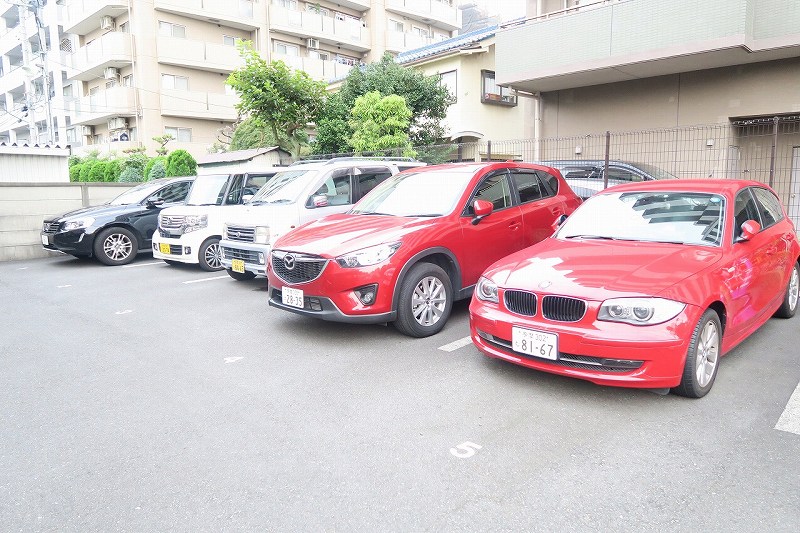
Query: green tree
point(113, 170)
point(251, 133)
point(380, 122)
point(149, 166)
point(131, 174)
point(162, 141)
point(98, 171)
point(427, 99)
point(75, 172)
point(181, 163)
point(285, 101)
point(158, 171)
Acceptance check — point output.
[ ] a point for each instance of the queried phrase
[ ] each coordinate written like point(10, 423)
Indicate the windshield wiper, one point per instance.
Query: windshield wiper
point(425, 215)
point(278, 201)
point(201, 205)
point(601, 237)
point(374, 213)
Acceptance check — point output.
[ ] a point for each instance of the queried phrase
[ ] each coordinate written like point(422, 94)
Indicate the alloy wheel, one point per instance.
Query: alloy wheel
point(707, 354)
point(794, 286)
point(428, 301)
point(213, 255)
point(117, 246)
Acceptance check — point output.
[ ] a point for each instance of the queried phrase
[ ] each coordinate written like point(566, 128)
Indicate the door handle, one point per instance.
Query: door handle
point(514, 225)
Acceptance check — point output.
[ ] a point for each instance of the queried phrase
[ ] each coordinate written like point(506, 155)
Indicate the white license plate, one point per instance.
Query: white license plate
point(45, 240)
point(535, 343)
point(292, 297)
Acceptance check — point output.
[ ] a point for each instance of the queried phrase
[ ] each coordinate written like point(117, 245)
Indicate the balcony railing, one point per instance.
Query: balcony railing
point(83, 16)
point(98, 108)
point(14, 78)
point(198, 104)
point(399, 41)
point(203, 55)
point(111, 50)
point(11, 37)
point(439, 13)
point(319, 69)
point(349, 34)
point(242, 14)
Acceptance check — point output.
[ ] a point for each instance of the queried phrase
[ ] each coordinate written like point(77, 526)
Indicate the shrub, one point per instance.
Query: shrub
point(131, 174)
point(75, 172)
point(158, 171)
point(98, 171)
point(181, 163)
point(136, 160)
point(112, 171)
point(149, 166)
point(86, 169)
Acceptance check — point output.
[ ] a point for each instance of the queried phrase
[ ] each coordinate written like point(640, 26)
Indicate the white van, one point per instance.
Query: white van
point(305, 191)
point(190, 233)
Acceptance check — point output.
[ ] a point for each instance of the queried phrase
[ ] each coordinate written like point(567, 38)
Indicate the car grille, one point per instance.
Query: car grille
point(563, 309)
point(171, 222)
point(582, 362)
point(305, 267)
point(520, 302)
point(241, 234)
point(248, 256)
point(175, 249)
point(50, 226)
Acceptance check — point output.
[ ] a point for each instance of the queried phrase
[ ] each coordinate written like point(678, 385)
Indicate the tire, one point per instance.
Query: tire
point(789, 306)
point(210, 255)
point(425, 301)
point(115, 246)
point(702, 358)
point(241, 276)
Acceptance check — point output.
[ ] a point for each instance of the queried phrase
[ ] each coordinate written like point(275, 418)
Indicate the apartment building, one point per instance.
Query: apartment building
point(145, 68)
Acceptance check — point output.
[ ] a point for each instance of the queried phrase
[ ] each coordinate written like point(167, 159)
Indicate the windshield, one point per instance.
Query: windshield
point(656, 172)
point(674, 217)
point(284, 187)
point(208, 190)
point(420, 194)
point(136, 194)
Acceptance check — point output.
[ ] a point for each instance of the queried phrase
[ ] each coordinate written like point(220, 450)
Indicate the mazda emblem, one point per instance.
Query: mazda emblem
point(289, 261)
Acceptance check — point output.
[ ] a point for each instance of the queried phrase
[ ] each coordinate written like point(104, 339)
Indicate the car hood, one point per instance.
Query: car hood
point(335, 235)
point(97, 211)
point(597, 270)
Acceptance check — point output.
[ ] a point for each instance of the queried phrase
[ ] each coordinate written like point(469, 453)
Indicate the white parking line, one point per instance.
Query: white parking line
point(145, 264)
point(455, 345)
point(205, 279)
point(62, 286)
point(790, 419)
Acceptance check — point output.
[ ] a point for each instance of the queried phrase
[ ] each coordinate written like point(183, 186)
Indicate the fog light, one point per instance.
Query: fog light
point(260, 258)
point(366, 295)
point(315, 304)
point(187, 250)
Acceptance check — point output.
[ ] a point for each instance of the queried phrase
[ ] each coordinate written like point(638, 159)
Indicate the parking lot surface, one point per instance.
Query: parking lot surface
point(159, 398)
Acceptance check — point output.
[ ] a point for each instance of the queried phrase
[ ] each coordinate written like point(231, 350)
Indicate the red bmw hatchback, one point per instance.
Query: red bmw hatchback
point(646, 285)
point(416, 243)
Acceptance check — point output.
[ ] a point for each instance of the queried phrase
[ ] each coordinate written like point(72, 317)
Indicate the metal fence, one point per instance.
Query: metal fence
point(764, 149)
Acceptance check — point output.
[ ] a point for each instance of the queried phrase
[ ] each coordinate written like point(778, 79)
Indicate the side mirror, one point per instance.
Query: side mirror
point(558, 221)
point(749, 229)
point(155, 202)
point(319, 201)
point(482, 209)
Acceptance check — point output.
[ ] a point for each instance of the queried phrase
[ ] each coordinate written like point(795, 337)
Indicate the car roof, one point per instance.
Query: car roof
point(472, 166)
point(708, 185)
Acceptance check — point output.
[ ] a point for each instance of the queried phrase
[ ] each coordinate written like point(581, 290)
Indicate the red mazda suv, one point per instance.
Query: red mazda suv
point(417, 242)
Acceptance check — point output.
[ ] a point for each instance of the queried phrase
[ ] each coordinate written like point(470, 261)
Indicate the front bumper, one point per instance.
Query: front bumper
point(604, 353)
point(324, 309)
point(184, 248)
point(255, 256)
point(74, 242)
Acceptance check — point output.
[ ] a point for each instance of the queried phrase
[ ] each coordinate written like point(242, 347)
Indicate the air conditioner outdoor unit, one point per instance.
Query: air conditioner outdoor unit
point(117, 123)
point(87, 131)
point(313, 43)
point(110, 73)
point(107, 23)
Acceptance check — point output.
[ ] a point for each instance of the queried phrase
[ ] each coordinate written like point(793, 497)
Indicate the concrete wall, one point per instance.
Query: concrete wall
point(33, 164)
point(23, 207)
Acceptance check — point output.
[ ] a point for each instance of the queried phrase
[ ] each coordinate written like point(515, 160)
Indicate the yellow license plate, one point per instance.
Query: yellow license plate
point(164, 248)
point(237, 265)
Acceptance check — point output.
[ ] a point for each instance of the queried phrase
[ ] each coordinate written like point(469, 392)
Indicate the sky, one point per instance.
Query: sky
point(507, 9)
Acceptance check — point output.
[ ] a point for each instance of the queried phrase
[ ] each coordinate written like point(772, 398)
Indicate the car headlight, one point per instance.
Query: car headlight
point(486, 290)
point(262, 235)
point(194, 223)
point(368, 256)
point(78, 223)
point(639, 311)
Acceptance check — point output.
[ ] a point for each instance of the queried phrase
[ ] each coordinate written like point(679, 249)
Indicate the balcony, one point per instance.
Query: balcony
point(211, 57)
point(316, 68)
point(439, 13)
point(83, 16)
point(398, 41)
point(12, 79)
point(111, 50)
point(197, 104)
point(348, 34)
point(621, 41)
point(98, 108)
point(11, 37)
point(245, 15)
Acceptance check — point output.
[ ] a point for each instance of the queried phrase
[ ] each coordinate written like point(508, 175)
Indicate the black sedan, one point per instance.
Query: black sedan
point(115, 232)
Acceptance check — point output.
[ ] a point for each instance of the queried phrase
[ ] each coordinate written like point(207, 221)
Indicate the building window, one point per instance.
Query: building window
point(316, 54)
point(127, 81)
point(396, 25)
point(491, 93)
point(422, 32)
point(287, 49)
point(229, 40)
point(246, 8)
point(288, 4)
point(179, 134)
point(125, 27)
point(344, 60)
point(171, 30)
point(67, 91)
point(450, 80)
point(168, 81)
point(134, 134)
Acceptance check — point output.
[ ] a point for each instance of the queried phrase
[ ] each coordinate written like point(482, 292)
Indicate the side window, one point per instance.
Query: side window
point(528, 186)
point(235, 192)
point(174, 192)
point(494, 189)
point(744, 209)
point(768, 206)
point(620, 174)
point(550, 181)
point(368, 178)
point(254, 182)
point(336, 188)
